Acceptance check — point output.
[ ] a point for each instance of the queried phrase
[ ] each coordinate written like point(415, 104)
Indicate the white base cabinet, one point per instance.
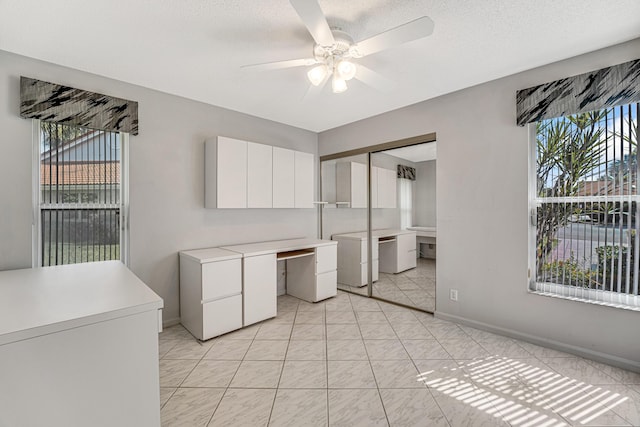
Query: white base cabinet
point(313, 278)
point(393, 251)
point(224, 289)
point(399, 254)
point(210, 292)
point(260, 288)
point(78, 347)
point(352, 261)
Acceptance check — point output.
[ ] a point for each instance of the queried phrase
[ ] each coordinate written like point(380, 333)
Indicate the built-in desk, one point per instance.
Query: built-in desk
point(393, 251)
point(311, 273)
point(78, 347)
point(223, 289)
point(425, 235)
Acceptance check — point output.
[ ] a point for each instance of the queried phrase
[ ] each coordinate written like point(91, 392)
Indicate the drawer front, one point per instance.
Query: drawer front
point(326, 285)
point(326, 258)
point(406, 242)
point(406, 260)
point(221, 316)
point(221, 279)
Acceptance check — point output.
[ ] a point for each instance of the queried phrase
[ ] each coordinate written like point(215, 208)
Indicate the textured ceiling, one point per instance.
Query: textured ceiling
point(195, 48)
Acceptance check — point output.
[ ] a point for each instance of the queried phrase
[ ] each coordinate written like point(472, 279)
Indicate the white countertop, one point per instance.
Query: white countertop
point(210, 255)
point(39, 301)
point(275, 246)
point(423, 231)
point(362, 235)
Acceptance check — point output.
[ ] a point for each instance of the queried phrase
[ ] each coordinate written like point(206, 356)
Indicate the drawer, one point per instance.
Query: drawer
point(326, 258)
point(221, 279)
point(326, 285)
point(406, 242)
point(221, 316)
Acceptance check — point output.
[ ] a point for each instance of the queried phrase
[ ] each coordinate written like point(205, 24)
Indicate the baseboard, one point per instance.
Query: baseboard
point(545, 342)
point(166, 323)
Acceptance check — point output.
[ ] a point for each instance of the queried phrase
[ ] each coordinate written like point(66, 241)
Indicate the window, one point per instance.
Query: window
point(80, 201)
point(584, 207)
point(406, 202)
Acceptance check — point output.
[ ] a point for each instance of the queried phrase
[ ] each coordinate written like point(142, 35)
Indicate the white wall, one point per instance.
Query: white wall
point(482, 211)
point(167, 176)
point(425, 194)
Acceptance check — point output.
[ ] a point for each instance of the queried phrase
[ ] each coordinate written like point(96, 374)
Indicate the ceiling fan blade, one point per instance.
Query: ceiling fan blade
point(313, 18)
point(375, 80)
point(417, 29)
point(277, 65)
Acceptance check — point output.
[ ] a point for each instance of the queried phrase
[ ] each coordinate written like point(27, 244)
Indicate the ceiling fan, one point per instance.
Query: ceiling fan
point(335, 50)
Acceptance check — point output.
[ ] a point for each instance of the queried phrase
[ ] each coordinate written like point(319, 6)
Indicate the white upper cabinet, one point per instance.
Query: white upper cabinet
point(259, 175)
point(226, 173)
point(351, 184)
point(304, 173)
point(283, 178)
point(374, 187)
point(387, 188)
point(242, 174)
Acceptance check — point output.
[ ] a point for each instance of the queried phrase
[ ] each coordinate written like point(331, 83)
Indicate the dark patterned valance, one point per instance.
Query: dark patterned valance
point(406, 172)
point(63, 104)
point(608, 87)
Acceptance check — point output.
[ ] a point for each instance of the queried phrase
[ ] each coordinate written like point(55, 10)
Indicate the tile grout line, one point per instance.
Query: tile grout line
point(386, 416)
point(275, 395)
point(226, 389)
point(326, 359)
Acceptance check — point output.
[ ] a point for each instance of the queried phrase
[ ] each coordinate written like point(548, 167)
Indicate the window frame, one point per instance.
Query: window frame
point(37, 205)
point(624, 301)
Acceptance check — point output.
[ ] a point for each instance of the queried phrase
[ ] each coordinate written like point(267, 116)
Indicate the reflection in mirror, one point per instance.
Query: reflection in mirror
point(344, 217)
point(403, 225)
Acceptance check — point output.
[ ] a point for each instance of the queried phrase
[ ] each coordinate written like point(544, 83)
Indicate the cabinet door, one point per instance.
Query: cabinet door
point(375, 200)
point(406, 251)
point(283, 178)
point(386, 188)
point(392, 186)
point(231, 173)
point(303, 182)
point(358, 185)
point(259, 175)
point(260, 288)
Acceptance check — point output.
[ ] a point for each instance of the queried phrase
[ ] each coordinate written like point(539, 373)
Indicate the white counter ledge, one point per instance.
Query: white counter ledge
point(276, 246)
point(38, 301)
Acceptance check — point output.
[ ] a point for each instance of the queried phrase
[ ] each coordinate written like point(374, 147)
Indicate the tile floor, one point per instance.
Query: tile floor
point(352, 361)
point(415, 287)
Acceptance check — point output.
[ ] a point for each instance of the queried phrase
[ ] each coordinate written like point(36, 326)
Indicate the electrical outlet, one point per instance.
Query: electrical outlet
point(453, 294)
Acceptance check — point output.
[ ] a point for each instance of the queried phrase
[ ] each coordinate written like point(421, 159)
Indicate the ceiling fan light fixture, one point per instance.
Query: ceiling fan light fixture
point(346, 69)
point(317, 74)
point(338, 84)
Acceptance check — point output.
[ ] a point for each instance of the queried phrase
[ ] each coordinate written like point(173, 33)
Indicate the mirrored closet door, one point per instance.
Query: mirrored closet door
point(403, 224)
point(380, 206)
point(344, 217)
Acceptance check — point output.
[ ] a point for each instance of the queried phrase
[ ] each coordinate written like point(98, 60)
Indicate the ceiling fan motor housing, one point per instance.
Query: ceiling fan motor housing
point(340, 49)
